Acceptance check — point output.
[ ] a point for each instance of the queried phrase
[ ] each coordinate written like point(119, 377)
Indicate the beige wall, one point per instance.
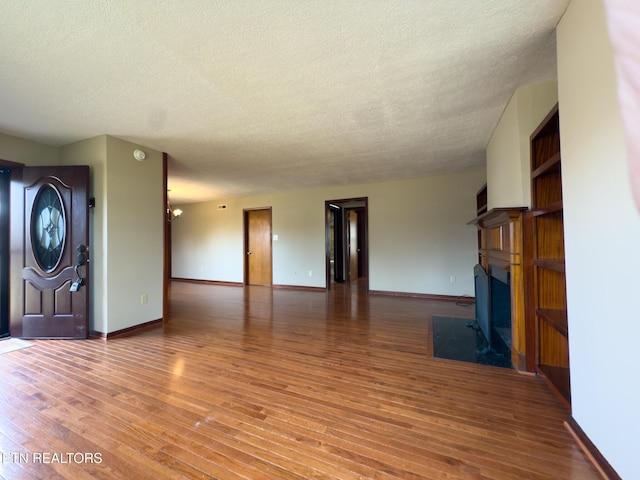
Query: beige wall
point(19, 150)
point(508, 154)
point(134, 235)
point(602, 240)
point(418, 237)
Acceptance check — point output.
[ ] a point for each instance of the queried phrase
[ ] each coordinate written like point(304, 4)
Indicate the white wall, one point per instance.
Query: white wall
point(508, 150)
point(504, 175)
point(418, 235)
point(602, 239)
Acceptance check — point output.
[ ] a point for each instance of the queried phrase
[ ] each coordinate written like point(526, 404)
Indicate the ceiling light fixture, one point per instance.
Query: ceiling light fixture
point(172, 213)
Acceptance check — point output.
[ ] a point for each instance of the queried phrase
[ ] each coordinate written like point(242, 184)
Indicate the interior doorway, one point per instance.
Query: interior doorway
point(347, 241)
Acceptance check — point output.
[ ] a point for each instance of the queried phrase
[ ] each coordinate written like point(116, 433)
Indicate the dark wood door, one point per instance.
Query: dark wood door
point(258, 268)
point(49, 263)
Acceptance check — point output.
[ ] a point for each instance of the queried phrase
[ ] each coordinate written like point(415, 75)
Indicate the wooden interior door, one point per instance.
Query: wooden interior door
point(49, 262)
point(258, 255)
point(352, 219)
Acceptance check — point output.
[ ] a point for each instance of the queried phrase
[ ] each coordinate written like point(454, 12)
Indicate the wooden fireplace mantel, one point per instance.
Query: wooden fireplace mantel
point(498, 216)
point(501, 246)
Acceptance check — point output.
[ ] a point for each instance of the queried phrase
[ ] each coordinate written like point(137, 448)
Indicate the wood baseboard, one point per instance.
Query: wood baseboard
point(240, 284)
point(591, 451)
point(300, 287)
point(207, 282)
point(427, 296)
point(462, 300)
point(130, 330)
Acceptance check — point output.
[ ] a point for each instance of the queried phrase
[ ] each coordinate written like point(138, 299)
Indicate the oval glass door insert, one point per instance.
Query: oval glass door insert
point(48, 228)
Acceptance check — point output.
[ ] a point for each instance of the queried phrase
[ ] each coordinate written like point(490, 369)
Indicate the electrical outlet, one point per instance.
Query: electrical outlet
point(310, 273)
point(144, 298)
point(452, 279)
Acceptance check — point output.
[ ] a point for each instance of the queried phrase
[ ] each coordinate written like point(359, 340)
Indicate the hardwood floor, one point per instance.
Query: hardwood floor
point(261, 383)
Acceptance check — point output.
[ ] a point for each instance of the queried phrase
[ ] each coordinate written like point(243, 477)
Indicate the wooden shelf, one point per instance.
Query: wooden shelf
point(546, 209)
point(550, 166)
point(556, 318)
point(555, 264)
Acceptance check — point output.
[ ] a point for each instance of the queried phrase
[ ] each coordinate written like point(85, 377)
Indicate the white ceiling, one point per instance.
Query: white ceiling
point(251, 97)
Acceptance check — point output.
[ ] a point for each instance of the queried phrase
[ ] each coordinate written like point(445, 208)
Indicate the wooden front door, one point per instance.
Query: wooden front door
point(49, 262)
point(258, 269)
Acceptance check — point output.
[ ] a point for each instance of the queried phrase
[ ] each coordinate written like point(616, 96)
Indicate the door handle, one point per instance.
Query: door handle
point(81, 259)
point(248, 253)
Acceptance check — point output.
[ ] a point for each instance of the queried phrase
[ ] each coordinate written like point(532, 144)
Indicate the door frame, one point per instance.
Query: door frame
point(360, 204)
point(245, 244)
point(5, 251)
point(167, 259)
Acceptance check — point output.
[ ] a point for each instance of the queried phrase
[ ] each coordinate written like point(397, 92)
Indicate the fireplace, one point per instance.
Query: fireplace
point(493, 307)
point(499, 283)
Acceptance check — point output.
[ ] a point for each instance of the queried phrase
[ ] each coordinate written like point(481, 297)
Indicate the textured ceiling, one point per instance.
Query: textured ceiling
point(252, 97)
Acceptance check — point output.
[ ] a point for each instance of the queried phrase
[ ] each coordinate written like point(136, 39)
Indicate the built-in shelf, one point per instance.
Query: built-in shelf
point(555, 264)
point(481, 200)
point(481, 209)
point(546, 283)
point(556, 318)
point(550, 166)
point(549, 208)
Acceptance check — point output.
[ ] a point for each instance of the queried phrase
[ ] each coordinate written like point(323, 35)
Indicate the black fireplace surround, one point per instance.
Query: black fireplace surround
point(493, 306)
